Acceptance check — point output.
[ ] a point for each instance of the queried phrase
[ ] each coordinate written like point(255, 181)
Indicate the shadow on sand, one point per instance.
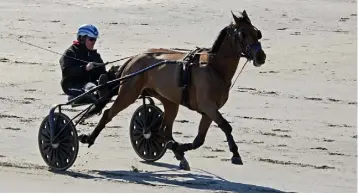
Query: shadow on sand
point(173, 177)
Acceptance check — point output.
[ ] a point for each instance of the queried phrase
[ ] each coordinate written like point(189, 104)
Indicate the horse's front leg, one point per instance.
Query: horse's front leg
point(180, 149)
point(212, 111)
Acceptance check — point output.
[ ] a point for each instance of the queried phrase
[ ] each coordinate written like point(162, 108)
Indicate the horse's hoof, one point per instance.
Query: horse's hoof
point(171, 145)
point(85, 139)
point(184, 165)
point(236, 160)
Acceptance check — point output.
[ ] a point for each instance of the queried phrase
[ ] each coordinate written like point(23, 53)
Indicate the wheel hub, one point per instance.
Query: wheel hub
point(147, 134)
point(55, 145)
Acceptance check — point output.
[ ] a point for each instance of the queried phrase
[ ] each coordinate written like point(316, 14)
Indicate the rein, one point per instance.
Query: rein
point(110, 62)
point(242, 68)
point(96, 65)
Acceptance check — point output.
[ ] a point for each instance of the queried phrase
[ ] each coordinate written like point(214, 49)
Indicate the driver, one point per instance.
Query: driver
point(79, 76)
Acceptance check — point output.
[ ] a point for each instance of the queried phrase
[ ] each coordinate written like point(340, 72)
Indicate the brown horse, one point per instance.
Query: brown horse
point(208, 91)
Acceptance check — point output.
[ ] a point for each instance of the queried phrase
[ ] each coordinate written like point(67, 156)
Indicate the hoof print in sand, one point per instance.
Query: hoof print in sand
point(281, 145)
point(114, 127)
point(217, 150)
point(4, 60)
point(282, 28)
point(26, 62)
point(269, 72)
point(313, 98)
point(90, 124)
point(275, 135)
point(294, 163)
point(328, 140)
point(112, 135)
point(343, 125)
point(335, 154)
point(280, 130)
point(209, 156)
point(319, 148)
point(182, 121)
point(341, 31)
point(25, 102)
point(13, 128)
point(296, 70)
point(30, 90)
point(296, 33)
point(257, 118)
point(9, 116)
point(343, 19)
point(333, 100)
point(27, 120)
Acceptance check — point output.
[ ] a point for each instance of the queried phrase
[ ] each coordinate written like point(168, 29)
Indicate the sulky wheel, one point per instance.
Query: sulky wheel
point(145, 134)
point(62, 152)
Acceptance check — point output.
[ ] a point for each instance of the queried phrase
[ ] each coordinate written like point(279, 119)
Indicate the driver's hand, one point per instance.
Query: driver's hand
point(89, 66)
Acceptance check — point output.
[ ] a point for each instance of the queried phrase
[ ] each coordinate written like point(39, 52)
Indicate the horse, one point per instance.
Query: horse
point(210, 73)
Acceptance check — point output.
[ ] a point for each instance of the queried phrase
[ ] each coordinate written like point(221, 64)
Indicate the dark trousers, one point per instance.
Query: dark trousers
point(74, 90)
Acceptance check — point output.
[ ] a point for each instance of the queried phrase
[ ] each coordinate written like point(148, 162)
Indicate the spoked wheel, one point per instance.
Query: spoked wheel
point(62, 152)
point(146, 136)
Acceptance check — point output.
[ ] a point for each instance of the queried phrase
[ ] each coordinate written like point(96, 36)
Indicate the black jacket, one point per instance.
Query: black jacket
point(74, 71)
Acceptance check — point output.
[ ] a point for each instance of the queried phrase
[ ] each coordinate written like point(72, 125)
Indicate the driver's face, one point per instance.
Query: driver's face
point(90, 42)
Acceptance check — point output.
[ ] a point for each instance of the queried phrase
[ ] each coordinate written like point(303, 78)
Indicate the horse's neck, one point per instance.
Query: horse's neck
point(226, 62)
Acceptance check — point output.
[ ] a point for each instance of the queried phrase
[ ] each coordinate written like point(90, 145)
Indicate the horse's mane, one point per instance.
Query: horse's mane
point(220, 38)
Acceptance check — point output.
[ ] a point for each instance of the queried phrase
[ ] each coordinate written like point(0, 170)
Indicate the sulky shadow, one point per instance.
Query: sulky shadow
point(173, 177)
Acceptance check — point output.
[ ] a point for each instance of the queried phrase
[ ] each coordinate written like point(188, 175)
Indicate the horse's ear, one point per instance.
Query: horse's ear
point(245, 16)
point(236, 19)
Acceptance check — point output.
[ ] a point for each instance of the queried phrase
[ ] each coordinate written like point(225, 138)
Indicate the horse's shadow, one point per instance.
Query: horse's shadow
point(170, 177)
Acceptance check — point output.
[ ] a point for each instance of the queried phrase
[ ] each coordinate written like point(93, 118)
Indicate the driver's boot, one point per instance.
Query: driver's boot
point(104, 91)
point(103, 99)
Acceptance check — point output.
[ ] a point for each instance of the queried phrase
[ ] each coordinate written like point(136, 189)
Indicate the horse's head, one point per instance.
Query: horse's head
point(246, 37)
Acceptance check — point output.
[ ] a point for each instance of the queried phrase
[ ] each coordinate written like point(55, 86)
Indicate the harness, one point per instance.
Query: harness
point(185, 71)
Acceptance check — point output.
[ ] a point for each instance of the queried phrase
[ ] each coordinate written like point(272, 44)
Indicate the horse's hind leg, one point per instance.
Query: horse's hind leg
point(127, 95)
point(170, 112)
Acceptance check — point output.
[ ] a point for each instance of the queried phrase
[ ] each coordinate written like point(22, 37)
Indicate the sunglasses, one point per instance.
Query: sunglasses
point(92, 39)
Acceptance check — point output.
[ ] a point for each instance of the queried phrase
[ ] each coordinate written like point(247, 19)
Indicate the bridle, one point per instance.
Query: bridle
point(246, 50)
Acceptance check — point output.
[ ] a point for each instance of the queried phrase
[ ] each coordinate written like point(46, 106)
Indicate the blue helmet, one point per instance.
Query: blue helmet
point(87, 30)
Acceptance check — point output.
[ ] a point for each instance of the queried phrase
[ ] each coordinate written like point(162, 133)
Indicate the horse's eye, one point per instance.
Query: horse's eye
point(259, 35)
point(241, 36)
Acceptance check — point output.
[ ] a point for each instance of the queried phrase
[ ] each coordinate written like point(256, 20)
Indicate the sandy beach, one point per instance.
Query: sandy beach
point(294, 118)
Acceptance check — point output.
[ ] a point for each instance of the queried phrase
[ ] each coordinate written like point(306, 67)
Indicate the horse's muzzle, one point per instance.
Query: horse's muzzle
point(259, 58)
